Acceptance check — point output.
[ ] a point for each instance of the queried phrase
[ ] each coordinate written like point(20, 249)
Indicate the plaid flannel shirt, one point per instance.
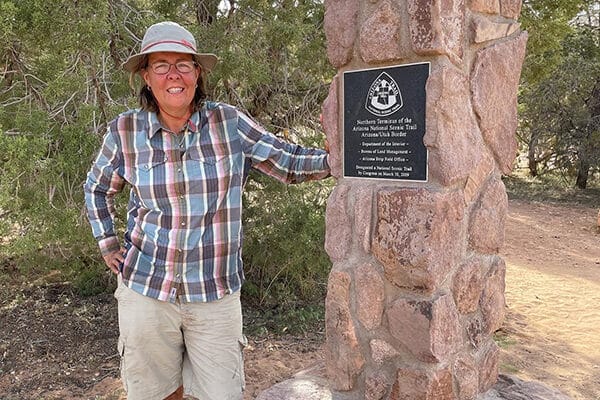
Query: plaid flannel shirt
point(184, 231)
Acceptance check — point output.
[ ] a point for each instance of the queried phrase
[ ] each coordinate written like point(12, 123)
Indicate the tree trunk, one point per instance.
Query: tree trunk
point(532, 162)
point(583, 172)
point(206, 11)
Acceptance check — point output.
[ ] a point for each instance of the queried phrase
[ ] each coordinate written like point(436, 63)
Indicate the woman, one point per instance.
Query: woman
point(180, 267)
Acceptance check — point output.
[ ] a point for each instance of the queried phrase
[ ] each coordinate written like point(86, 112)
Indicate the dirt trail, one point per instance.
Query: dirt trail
point(552, 329)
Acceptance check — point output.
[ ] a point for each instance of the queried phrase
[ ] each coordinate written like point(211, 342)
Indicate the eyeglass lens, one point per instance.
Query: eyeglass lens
point(183, 67)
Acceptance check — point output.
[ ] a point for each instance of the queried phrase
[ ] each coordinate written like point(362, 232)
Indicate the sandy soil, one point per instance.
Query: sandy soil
point(56, 345)
point(552, 330)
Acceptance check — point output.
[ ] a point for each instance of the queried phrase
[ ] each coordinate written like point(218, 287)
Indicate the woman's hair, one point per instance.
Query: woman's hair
point(147, 100)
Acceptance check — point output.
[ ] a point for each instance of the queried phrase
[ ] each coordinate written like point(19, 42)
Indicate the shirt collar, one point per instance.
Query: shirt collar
point(154, 124)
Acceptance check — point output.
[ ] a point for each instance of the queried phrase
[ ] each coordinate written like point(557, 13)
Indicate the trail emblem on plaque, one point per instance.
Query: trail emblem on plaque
point(384, 97)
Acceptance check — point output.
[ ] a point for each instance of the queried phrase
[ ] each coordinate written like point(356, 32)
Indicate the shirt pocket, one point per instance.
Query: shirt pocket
point(209, 161)
point(151, 179)
point(210, 173)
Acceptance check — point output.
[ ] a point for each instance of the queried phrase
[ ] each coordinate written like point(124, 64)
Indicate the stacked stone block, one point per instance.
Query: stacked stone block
point(417, 287)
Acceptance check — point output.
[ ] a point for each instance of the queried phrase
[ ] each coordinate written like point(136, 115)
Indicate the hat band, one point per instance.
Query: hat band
point(183, 42)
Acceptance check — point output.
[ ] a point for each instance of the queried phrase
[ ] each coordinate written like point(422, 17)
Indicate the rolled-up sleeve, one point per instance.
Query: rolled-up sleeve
point(104, 181)
point(286, 162)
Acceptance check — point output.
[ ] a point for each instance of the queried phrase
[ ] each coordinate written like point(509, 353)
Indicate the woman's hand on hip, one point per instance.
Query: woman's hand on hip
point(115, 259)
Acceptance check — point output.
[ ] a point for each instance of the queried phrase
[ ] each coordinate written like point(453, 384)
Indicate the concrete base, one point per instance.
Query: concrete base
point(310, 384)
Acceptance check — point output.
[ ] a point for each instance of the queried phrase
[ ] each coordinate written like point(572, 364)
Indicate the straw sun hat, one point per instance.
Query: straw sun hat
point(169, 37)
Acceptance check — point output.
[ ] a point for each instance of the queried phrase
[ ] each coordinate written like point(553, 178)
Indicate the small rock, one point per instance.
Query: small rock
point(513, 388)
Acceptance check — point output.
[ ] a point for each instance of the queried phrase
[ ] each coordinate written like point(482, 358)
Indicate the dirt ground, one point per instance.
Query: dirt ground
point(552, 330)
point(56, 345)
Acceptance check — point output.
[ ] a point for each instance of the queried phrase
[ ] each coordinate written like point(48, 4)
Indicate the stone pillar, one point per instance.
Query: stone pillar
point(417, 286)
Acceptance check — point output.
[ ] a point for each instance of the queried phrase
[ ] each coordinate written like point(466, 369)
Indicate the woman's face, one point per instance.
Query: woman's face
point(173, 90)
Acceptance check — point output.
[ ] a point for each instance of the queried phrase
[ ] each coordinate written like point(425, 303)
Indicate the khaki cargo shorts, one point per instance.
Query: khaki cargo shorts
point(164, 345)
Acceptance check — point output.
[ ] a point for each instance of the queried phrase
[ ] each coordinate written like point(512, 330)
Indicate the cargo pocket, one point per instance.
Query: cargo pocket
point(243, 342)
point(121, 350)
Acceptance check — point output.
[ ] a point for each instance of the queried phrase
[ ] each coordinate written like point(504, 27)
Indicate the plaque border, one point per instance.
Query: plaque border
point(343, 124)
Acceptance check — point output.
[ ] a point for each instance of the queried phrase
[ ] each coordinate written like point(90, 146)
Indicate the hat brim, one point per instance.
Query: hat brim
point(206, 60)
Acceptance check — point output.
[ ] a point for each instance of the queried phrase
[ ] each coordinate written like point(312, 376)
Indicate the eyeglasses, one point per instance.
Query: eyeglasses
point(184, 67)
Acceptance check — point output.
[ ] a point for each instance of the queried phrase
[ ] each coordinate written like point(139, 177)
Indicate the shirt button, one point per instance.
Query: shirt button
point(178, 276)
point(183, 224)
point(179, 170)
point(181, 196)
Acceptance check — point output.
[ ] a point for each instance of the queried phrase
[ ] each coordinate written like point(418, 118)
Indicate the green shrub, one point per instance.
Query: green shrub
point(284, 234)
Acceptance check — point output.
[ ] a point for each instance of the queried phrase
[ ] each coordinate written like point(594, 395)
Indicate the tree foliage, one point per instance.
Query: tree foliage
point(560, 112)
point(61, 82)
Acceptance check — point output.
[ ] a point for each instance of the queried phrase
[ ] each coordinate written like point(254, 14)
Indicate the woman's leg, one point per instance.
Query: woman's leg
point(176, 395)
point(213, 363)
point(150, 344)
